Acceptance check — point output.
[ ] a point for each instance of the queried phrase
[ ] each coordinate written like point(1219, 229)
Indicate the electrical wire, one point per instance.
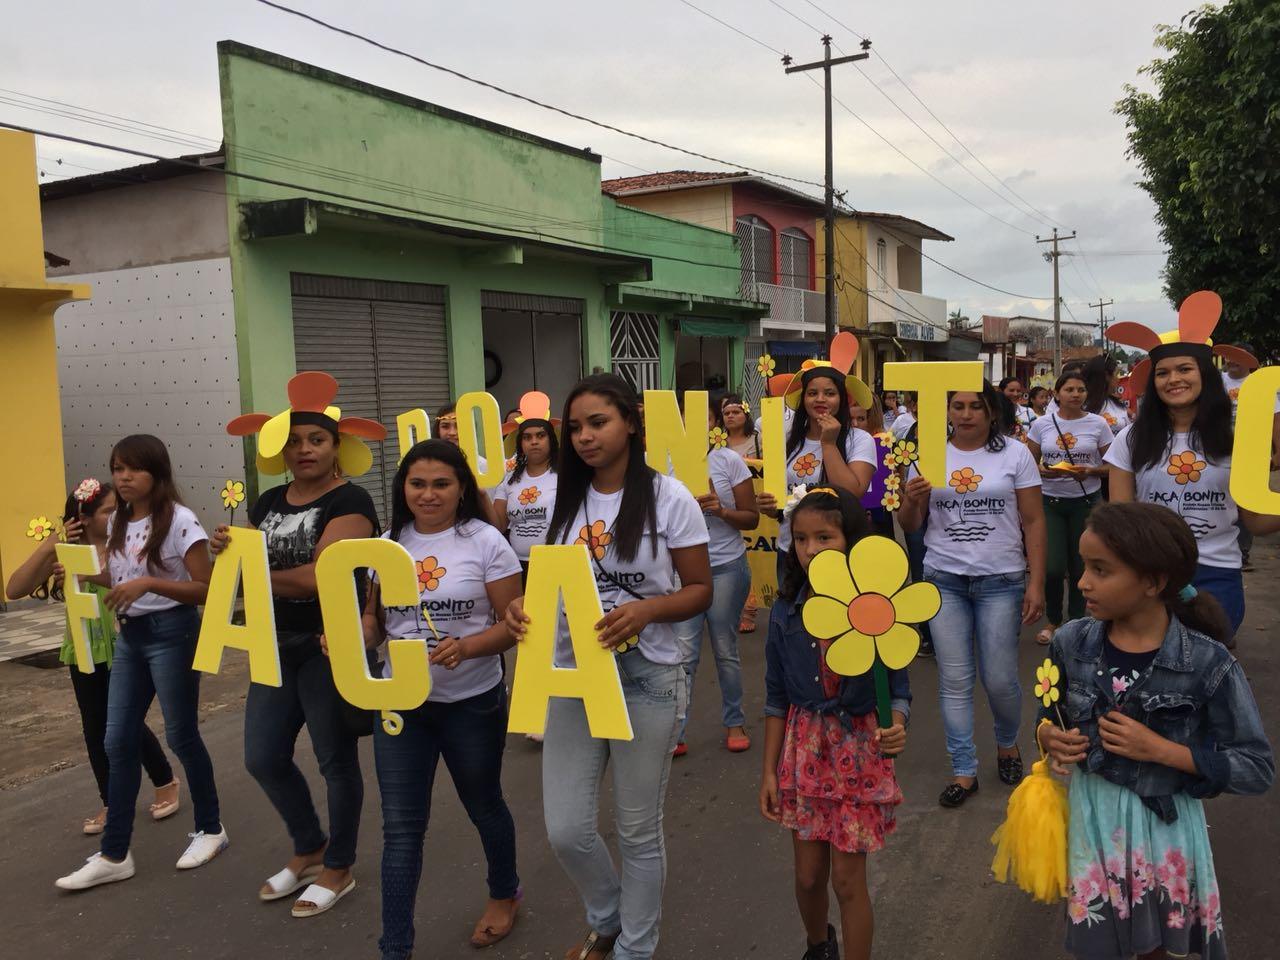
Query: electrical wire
point(527, 99)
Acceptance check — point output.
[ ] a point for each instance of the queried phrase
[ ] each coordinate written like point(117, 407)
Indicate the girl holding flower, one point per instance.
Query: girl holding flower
point(828, 771)
point(1159, 717)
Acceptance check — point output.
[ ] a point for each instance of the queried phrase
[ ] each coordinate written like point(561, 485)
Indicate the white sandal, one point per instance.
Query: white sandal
point(321, 898)
point(286, 882)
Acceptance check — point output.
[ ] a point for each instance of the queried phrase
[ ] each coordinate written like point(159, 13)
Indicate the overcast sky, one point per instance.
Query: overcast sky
point(1028, 87)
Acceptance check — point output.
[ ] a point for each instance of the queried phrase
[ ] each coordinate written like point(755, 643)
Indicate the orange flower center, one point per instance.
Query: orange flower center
point(872, 614)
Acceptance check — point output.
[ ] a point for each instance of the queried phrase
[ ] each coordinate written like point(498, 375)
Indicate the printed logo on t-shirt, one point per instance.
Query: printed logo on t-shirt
point(510, 464)
point(806, 466)
point(430, 573)
point(529, 495)
point(1187, 469)
point(964, 523)
point(1111, 421)
point(1067, 441)
point(291, 537)
point(596, 538)
point(1234, 394)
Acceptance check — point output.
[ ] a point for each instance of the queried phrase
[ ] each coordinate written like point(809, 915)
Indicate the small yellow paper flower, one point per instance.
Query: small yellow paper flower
point(865, 603)
point(903, 454)
point(232, 494)
point(40, 529)
point(891, 500)
point(1047, 676)
point(892, 482)
point(765, 365)
point(717, 438)
point(629, 644)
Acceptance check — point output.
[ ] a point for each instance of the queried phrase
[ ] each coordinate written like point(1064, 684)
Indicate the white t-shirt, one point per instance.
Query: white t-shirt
point(680, 524)
point(1192, 486)
point(902, 424)
point(804, 466)
point(1233, 391)
point(453, 567)
point(1116, 414)
point(1085, 438)
point(727, 470)
point(975, 528)
point(529, 502)
point(184, 532)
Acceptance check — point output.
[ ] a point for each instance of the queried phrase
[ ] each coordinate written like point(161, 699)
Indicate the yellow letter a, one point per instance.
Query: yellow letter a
point(244, 559)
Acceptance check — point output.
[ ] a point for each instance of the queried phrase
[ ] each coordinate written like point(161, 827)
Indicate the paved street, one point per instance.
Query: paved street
point(729, 879)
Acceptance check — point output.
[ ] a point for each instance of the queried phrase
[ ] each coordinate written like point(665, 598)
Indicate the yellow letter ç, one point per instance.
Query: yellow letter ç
point(554, 571)
point(245, 559)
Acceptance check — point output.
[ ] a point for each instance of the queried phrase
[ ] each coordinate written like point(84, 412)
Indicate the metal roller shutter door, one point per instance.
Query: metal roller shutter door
point(388, 357)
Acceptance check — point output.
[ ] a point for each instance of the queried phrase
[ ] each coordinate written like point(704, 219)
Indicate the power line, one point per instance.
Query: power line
point(741, 33)
point(958, 273)
point(937, 119)
point(527, 99)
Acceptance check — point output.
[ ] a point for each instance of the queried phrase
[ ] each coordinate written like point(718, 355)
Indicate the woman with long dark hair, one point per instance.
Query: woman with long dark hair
point(523, 503)
point(642, 530)
point(317, 507)
point(158, 565)
point(84, 520)
point(823, 446)
point(1177, 453)
point(1101, 380)
point(1069, 445)
point(985, 532)
point(467, 574)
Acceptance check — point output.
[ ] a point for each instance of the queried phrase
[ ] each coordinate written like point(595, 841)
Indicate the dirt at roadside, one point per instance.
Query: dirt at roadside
point(40, 725)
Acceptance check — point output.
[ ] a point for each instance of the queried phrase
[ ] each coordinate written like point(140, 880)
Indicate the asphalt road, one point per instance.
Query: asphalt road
point(729, 879)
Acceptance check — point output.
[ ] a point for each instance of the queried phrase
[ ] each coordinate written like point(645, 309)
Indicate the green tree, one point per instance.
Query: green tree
point(1208, 143)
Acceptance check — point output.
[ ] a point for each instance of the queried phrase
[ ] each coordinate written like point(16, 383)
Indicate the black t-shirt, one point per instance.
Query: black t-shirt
point(292, 533)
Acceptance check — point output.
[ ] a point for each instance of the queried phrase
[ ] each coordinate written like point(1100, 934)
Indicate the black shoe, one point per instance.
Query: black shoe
point(926, 649)
point(1245, 565)
point(828, 950)
point(1010, 769)
point(955, 794)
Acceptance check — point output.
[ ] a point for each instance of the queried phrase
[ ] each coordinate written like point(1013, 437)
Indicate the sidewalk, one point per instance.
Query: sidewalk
point(31, 626)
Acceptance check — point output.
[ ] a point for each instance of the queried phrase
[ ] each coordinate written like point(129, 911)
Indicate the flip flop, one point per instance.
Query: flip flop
point(286, 882)
point(737, 744)
point(1045, 636)
point(321, 898)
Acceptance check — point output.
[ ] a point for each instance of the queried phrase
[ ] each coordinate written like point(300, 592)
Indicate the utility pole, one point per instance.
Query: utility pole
point(1102, 321)
point(829, 214)
point(1057, 299)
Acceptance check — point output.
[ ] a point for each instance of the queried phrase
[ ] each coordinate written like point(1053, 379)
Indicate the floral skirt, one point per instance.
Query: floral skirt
point(1136, 882)
point(834, 785)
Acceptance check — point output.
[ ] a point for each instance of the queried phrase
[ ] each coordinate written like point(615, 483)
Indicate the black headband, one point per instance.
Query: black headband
point(1200, 351)
point(828, 371)
point(535, 422)
point(306, 418)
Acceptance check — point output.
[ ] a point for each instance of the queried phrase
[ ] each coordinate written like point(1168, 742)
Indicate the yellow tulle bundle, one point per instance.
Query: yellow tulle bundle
point(1031, 844)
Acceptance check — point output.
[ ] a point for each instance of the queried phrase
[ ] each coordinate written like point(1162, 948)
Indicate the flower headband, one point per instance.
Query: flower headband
point(311, 394)
point(799, 493)
point(844, 350)
point(1198, 316)
point(534, 406)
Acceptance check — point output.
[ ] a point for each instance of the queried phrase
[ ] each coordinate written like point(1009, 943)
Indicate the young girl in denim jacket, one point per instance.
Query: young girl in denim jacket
point(1159, 715)
point(828, 772)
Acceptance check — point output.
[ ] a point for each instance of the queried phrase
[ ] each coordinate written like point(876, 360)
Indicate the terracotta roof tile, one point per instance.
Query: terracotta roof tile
point(668, 178)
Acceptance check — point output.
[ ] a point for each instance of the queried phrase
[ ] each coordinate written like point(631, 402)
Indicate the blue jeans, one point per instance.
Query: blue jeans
point(470, 735)
point(730, 584)
point(273, 718)
point(153, 655)
point(573, 766)
point(1226, 585)
point(981, 615)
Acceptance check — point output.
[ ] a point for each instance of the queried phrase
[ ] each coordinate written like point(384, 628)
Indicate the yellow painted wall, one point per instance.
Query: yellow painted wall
point(851, 249)
point(31, 441)
point(705, 206)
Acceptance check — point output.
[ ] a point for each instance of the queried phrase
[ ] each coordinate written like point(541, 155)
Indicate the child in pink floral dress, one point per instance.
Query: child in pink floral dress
point(1159, 716)
point(828, 769)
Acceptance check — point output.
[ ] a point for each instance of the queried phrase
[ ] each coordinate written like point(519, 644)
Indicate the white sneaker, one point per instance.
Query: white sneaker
point(97, 870)
point(203, 848)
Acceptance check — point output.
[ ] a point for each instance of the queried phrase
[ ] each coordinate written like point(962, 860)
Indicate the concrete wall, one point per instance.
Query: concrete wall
point(165, 221)
point(851, 251)
point(685, 256)
point(706, 206)
point(153, 351)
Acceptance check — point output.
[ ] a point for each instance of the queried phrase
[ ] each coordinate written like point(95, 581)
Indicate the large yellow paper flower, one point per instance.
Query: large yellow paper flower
point(865, 603)
point(717, 438)
point(765, 365)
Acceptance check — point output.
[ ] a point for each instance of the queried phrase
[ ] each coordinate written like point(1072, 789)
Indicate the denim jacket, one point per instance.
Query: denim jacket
point(793, 673)
point(1193, 693)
